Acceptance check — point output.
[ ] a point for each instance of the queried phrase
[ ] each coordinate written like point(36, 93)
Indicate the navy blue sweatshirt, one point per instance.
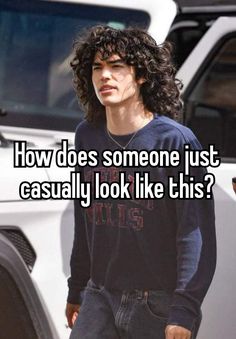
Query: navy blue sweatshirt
point(152, 244)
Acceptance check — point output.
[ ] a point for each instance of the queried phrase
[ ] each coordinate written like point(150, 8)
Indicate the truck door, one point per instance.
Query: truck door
point(209, 93)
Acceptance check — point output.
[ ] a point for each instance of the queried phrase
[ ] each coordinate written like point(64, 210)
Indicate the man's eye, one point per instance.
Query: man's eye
point(117, 65)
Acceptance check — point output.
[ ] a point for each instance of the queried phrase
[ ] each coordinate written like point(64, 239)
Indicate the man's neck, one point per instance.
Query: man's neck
point(123, 120)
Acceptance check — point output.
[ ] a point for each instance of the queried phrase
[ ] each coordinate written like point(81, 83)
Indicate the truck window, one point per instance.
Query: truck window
point(184, 36)
point(211, 105)
point(36, 41)
point(192, 22)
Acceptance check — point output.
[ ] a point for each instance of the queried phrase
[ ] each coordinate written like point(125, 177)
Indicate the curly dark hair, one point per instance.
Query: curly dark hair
point(160, 91)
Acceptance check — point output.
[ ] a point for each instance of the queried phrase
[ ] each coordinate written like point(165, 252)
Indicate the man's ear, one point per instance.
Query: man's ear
point(140, 81)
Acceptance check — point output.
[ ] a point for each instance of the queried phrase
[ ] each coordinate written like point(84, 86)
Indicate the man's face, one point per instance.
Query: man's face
point(114, 81)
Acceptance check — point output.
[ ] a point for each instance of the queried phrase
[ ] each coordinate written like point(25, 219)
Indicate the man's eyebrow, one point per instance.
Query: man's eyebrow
point(96, 63)
point(120, 61)
point(112, 62)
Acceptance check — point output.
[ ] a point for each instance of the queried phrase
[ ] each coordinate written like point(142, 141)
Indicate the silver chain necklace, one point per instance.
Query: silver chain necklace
point(117, 143)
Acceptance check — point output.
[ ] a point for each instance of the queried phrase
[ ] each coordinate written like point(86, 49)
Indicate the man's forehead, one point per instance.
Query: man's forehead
point(114, 57)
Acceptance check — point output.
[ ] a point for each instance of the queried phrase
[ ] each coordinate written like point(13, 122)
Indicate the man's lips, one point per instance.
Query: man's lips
point(106, 88)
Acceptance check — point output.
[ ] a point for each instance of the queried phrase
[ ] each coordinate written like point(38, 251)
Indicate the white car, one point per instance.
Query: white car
point(38, 105)
point(209, 93)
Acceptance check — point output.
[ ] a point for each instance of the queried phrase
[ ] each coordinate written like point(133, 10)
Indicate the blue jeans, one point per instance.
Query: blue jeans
point(128, 315)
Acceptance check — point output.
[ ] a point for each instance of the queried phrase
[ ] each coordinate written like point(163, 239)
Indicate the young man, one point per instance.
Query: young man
point(143, 266)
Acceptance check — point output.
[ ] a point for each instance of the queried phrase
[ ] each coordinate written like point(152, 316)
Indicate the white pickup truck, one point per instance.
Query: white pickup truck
point(38, 105)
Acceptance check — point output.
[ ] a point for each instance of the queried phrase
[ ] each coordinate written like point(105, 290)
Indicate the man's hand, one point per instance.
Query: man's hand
point(72, 311)
point(177, 332)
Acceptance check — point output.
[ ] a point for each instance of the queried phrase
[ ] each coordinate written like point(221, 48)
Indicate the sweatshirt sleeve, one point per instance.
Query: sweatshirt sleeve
point(80, 257)
point(196, 254)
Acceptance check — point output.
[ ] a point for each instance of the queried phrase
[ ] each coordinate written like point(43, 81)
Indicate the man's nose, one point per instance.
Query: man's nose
point(105, 74)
